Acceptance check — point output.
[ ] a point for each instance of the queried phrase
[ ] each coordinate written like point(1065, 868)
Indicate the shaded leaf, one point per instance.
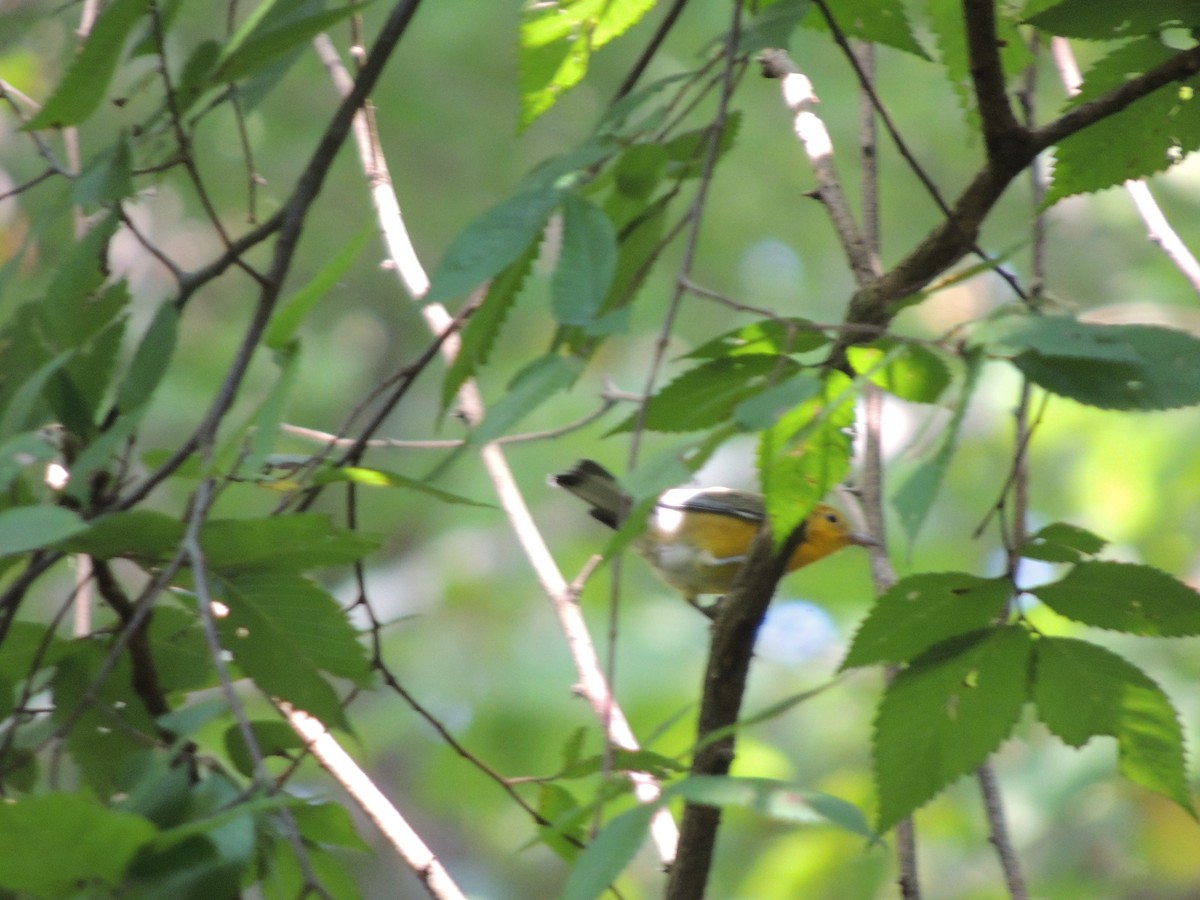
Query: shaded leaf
point(1111, 19)
point(922, 610)
point(1082, 691)
point(385, 478)
point(1124, 597)
point(1062, 542)
point(529, 389)
point(299, 542)
point(87, 78)
point(150, 360)
point(943, 715)
point(271, 738)
point(272, 40)
point(874, 21)
point(607, 856)
point(587, 260)
point(24, 528)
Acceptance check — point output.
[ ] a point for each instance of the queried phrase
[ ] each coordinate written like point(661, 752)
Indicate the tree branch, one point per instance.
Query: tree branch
point(1003, 135)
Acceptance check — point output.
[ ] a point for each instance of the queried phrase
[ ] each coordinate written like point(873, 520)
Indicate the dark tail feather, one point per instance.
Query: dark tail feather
point(596, 486)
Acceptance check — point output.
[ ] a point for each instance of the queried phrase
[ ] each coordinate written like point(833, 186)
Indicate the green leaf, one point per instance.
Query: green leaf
point(926, 609)
point(281, 629)
point(805, 453)
point(766, 407)
point(23, 452)
point(1111, 19)
point(493, 241)
point(764, 337)
point(274, 407)
point(87, 78)
point(686, 152)
point(300, 542)
point(24, 528)
point(706, 395)
point(915, 496)
point(1011, 335)
point(1124, 597)
point(565, 833)
point(24, 400)
point(328, 824)
point(775, 799)
point(480, 333)
point(1082, 690)
point(556, 43)
point(945, 21)
point(772, 26)
point(1062, 542)
point(874, 21)
point(909, 371)
point(137, 533)
point(271, 737)
point(607, 856)
point(385, 478)
point(54, 842)
point(587, 260)
point(622, 761)
point(28, 644)
point(943, 715)
point(1144, 138)
point(108, 176)
point(151, 359)
point(529, 389)
point(270, 41)
point(292, 312)
point(182, 658)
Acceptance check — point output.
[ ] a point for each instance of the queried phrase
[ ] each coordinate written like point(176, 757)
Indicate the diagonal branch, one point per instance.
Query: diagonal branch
point(1003, 135)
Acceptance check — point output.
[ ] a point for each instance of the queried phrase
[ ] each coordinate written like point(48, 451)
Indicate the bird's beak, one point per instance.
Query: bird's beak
point(862, 539)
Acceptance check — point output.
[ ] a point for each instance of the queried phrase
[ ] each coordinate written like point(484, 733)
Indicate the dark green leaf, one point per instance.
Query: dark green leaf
point(1082, 690)
point(706, 395)
point(766, 336)
point(687, 152)
point(292, 312)
point(138, 533)
point(151, 359)
point(1144, 138)
point(1124, 597)
point(271, 738)
point(108, 176)
point(775, 799)
point(909, 371)
point(926, 609)
point(299, 542)
point(874, 21)
point(1057, 336)
point(1062, 542)
point(24, 528)
point(182, 658)
point(83, 86)
point(25, 399)
point(944, 714)
point(28, 645)
point(273, 409)
point(328, 824)
point(272, 40)
point(587, 260)
point(1111, 19)
point(565, 833)
point(480, 333)
point(623, 761)
point(493, 241)
point(54, 842)
point(773, 26)
point(607, 856)
point(766, 407)
point(529, 389)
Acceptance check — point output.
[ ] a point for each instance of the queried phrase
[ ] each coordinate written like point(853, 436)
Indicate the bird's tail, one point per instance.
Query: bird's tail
point(596, 486)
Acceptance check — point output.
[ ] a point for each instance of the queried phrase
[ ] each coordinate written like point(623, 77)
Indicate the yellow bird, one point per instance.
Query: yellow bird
point(697, 539)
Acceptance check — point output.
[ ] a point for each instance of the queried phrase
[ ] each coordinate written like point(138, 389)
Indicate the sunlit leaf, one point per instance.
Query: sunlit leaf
point(1124, 597)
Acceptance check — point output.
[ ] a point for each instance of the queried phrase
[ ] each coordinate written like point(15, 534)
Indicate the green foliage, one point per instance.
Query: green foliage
point(1124, 597)
point(1107, 19)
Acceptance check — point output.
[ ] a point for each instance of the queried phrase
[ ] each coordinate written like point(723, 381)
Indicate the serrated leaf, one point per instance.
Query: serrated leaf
point(385, 478)
point(281, 629)
point(1059, 336)
point(906, 370)
point(1082, 690)
point(25, 528)
point(493, 241)
point(607, 856)
point(805, 453)
point(766, 336)
point(87, 78)
point(706, 395)
point(299, 542)
point(480, 333)
point(922, 610)
point(945, 21)
point(137, 533)
point(1112, 19)
point(943, 715)
point(55, 842)
point(587, 260)
point(108, 175)
point(1147, 136)
point(1124, 597)
point(874, 21)
point(775, 799)
point(24, 400)
point(291, 313)
point(273, 40)
point(1062, 542)
point(556, 43)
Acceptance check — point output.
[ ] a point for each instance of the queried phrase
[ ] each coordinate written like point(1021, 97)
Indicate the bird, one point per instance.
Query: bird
point(697, 539)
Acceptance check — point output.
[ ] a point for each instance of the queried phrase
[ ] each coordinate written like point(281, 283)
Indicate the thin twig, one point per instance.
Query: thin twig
point(660, 35)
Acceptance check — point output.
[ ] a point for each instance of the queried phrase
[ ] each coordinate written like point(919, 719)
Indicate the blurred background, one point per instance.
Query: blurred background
point(469, 632)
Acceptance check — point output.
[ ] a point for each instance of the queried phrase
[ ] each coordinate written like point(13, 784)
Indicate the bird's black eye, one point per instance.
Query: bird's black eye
point(831, 517)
